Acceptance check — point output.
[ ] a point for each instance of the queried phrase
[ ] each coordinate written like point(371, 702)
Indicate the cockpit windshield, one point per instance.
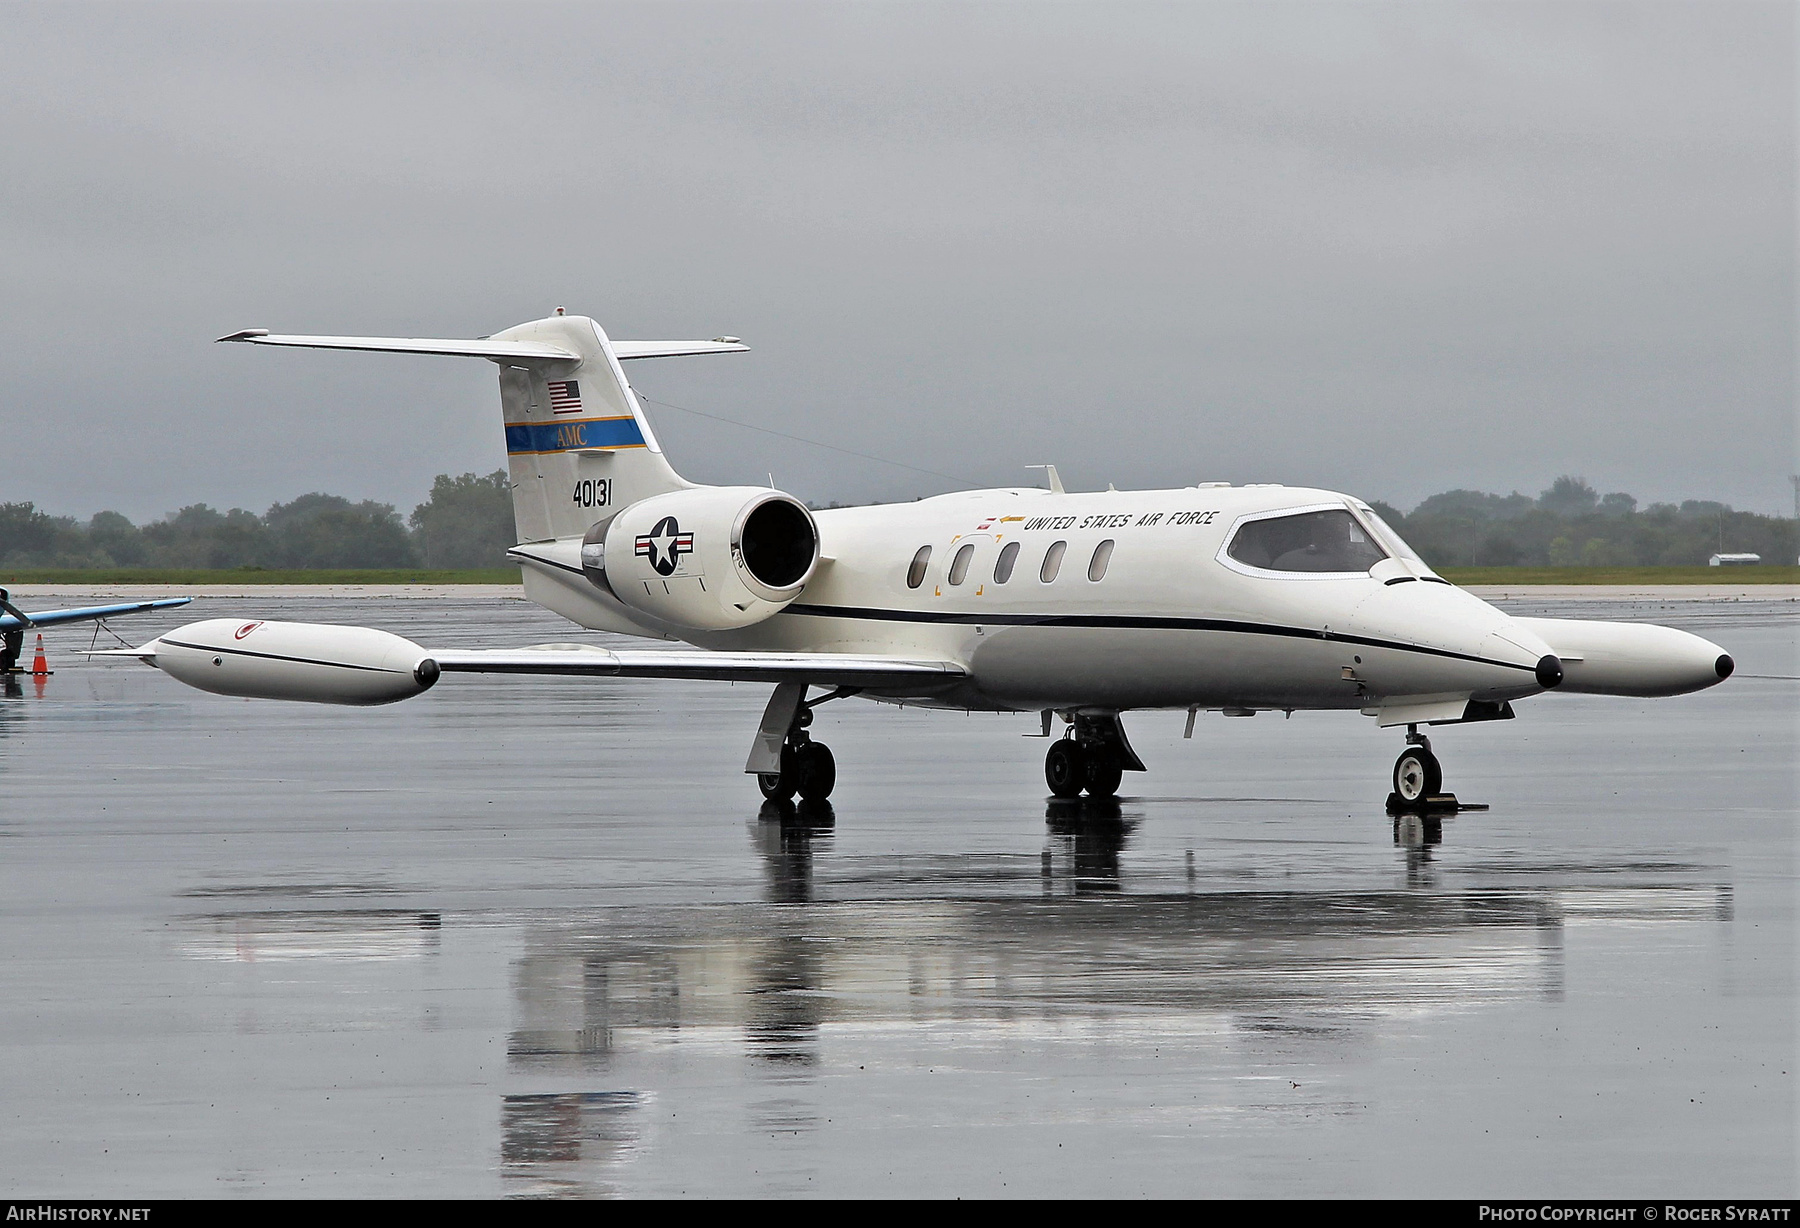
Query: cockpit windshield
point(1392, 540)
point(1315, 541)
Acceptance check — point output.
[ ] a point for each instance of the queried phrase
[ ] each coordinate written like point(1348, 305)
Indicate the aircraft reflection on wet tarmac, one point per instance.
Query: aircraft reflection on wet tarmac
point(1294, 967)
point(640, 994)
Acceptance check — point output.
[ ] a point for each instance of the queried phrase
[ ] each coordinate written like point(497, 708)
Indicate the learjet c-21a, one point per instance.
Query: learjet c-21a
point(1076, 606)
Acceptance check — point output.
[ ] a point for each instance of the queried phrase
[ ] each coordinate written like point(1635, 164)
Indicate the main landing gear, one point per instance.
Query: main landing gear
point(785, 760)
point(1093, 755)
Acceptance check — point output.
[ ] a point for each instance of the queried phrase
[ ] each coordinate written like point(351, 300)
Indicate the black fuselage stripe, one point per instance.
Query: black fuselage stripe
point(1134, 622)
point(1137, 622)
point(274, 656)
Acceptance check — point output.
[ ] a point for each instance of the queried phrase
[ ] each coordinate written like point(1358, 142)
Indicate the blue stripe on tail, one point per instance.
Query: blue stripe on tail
point(568, 436)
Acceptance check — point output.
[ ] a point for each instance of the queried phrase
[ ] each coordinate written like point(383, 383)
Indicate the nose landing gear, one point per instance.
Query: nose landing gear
point(1419, 782)
point(1417, 774)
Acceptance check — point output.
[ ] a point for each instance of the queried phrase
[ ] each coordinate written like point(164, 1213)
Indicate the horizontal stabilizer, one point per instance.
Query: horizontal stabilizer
point(626, 350)
point(497, 351)
point(818, 668)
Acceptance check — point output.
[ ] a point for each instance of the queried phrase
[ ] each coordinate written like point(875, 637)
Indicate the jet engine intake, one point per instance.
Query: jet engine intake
point(711, 558)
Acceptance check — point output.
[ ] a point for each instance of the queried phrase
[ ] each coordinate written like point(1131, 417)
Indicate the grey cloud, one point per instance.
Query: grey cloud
point(1389, 248)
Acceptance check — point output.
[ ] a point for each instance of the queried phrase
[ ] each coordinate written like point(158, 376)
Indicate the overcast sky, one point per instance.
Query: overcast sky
point(1384, 248)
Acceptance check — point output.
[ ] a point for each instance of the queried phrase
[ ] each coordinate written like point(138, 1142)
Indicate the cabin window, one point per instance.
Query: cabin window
point(959, 566)
point(1003, 566)
point(915, 575)
point(1052, 561)
point(1321, 541)
point(1102, 556)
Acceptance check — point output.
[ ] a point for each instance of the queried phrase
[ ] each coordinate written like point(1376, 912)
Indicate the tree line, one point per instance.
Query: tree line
point(467, 522)
point(1573, 525)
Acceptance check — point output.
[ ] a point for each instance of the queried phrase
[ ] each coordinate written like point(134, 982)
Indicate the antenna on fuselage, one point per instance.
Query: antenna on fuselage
point(1056, 486)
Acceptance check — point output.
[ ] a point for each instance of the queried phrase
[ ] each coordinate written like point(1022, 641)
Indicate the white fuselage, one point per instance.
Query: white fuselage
point(1170, 622)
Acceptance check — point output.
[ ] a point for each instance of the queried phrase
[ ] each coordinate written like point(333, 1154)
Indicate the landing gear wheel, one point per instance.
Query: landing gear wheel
point(815, 771)
point(1417, 775)
point(1103, 775)
point(780, 786)
point(1065, 768)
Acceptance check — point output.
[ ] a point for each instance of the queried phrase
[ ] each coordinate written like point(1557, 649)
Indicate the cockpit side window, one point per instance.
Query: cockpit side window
point(1328, 540)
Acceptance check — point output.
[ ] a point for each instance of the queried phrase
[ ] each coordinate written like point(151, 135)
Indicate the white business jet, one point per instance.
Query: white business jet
point(1076, 606)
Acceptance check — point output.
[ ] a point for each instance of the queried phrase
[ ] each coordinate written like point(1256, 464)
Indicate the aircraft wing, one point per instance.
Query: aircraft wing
point(361, 665)
point(51, 618)
point(817, 668)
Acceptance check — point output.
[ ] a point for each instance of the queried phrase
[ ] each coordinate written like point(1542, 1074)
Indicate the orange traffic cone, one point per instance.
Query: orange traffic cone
point(40, 668)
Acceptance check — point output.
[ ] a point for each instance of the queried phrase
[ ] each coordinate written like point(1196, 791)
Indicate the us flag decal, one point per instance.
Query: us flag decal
point(565, 396)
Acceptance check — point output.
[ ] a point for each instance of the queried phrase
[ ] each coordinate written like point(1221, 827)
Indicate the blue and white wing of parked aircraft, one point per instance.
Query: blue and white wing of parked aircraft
point(14, 622)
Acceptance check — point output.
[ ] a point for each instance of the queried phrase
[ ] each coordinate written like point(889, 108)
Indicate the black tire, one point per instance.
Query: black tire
point(779, 786)
point(1417, 775)
point(1103, 775)
point(1065, 768)
point(815, 771)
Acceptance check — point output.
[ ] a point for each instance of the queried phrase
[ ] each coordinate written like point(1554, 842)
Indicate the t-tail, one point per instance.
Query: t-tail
point(576, 437)
point(578, 445)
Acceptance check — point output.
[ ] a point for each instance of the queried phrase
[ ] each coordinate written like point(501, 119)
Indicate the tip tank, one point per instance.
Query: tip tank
point(314, 662)
point(1639, 659)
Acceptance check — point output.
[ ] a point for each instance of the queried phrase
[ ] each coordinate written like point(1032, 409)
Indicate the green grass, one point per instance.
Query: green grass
point(510, 575)
point(253, 575)
point(1758, 574)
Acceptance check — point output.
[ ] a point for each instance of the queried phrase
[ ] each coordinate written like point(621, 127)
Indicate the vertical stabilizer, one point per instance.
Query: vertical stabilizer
point(578, 445)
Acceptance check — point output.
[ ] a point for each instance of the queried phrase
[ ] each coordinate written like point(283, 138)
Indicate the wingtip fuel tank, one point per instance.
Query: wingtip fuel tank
point(303, 661)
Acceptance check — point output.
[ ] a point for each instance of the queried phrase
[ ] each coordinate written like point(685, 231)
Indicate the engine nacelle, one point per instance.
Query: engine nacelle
point(712, 558)
point(309, 661)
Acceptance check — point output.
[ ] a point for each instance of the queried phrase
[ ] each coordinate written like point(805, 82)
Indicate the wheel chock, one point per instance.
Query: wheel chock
point(1436, 803)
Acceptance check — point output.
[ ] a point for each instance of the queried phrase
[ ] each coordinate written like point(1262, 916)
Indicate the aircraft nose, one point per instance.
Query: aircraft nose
point(1474, 647)
point(1724, 665)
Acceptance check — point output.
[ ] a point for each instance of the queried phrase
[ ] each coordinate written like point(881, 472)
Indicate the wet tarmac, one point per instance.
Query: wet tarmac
point(524, 938)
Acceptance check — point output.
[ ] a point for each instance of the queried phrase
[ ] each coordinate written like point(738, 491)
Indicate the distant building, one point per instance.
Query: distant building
point(1733, 560)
